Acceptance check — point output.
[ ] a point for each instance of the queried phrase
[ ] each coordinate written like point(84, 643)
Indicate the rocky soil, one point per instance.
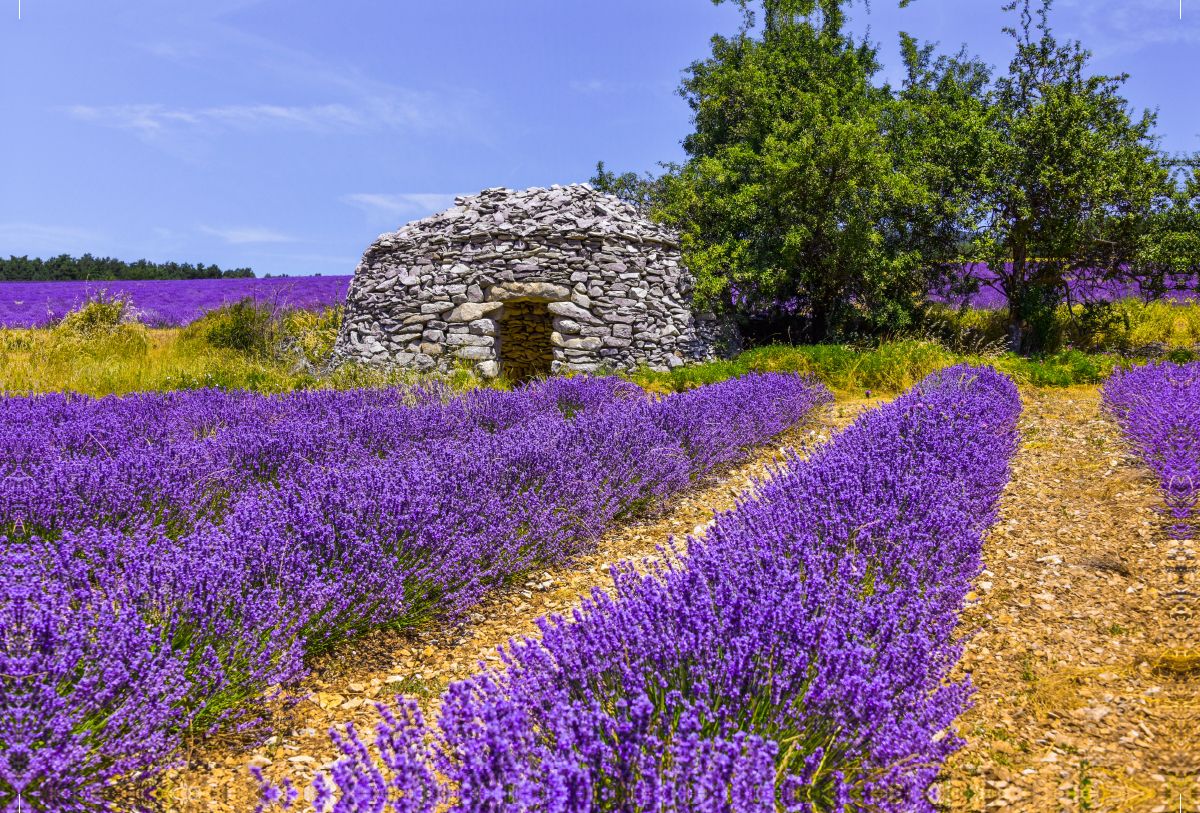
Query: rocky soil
point(1086, 654)
point(1083, 646)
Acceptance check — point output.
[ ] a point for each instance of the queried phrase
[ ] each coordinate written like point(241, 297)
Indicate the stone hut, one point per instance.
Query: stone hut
point(525, 283)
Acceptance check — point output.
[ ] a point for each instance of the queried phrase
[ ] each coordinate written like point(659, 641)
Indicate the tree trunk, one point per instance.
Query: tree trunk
point(1015, 290)
point(818, 326)
point(1015, 333)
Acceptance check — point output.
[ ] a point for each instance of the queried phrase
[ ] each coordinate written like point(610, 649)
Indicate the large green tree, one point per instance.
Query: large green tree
point(785, 199)
point(1070, 176)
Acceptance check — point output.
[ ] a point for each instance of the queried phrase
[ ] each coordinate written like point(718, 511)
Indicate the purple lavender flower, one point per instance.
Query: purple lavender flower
point(796, 657)
point(1158, 408)
point(163, 303)
point(166, 557)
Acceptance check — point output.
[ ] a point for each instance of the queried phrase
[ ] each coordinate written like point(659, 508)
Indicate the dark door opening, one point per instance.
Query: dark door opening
point(525, 350)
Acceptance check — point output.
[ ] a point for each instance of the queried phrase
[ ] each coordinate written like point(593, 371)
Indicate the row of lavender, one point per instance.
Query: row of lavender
point(163, 303)
point(165, 558)
point(1158, 409)
point(796, 658)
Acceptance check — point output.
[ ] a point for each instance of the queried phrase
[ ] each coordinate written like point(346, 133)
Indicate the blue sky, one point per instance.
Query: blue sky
point(285, 136)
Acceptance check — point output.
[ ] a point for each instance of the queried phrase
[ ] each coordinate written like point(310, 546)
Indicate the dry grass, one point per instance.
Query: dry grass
point(1126, 324)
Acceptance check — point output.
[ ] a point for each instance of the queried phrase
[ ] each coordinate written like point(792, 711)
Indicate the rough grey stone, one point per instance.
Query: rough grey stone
point(571, 263)
point(529, 292)
point(470, 311)
point(477, 353)
point(467, 340)
point(572, 311)
point(485, 327)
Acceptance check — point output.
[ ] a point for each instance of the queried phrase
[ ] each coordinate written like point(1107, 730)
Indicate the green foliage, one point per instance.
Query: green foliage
point(937, 132)
point(1167, 257)
point(99, 351)
point(65, 267)
point(1069, 178)
point(99, 328)
point(641, 192)
point(245, 326)
point(98, 314)
point(814, 195)
point(310, 335)
point(784, 198)
point(1063, 369)
point(1119, 326)
point(888, 369)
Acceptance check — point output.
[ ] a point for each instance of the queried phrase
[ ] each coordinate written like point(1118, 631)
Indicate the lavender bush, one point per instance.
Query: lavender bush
point(795, 658)
point(163, 303)
point(166, 557)
point(1158, 409)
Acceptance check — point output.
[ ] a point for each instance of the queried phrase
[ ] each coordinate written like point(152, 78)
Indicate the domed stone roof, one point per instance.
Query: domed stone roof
point(575, 209)
point(525, 283)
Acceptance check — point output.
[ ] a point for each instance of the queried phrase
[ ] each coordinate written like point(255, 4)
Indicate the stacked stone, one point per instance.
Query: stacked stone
point(526, 351)
point(439, 290)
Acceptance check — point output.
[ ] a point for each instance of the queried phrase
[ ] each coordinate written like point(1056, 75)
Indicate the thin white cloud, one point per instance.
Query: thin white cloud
point(242, 235)
point(48, 240)
point(335, 97)
point(391, 207)
point(1113, 28)
point(154, 121)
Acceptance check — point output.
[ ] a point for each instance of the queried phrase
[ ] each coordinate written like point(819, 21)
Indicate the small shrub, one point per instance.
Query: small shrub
point(309, 336)
point(99, 313)
point(102, 327)
point(244, 326)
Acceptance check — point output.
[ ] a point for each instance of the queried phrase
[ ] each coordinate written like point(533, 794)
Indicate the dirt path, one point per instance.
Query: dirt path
point(342, 687)
point(1086, 660)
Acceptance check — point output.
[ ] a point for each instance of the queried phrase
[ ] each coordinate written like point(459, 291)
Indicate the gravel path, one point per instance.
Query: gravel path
point(1086, 652)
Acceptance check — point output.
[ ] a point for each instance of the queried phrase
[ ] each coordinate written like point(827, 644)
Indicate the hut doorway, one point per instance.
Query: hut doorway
point(525, 350)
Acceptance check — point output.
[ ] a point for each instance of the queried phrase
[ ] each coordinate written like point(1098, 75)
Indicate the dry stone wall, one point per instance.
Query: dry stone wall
point(528, 282)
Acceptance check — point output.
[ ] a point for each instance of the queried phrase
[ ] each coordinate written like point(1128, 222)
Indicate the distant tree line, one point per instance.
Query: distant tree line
point(65, 268)
point(812, 192)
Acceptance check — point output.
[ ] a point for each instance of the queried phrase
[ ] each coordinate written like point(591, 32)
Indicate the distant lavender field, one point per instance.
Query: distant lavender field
point(163, 303)
point(989, 298)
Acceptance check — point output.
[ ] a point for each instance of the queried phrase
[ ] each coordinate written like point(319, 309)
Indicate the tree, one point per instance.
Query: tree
point(641, 192)
point(87, 267)
point(1167, 254)
point(1070, 178)
point(785, 199)
point(937, 133)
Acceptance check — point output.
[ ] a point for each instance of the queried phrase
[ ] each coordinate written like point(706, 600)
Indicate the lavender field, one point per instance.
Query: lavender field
point(797, 658)
point(163, 303)
point(1158, 409)
point(990, 297)
point(167, 557)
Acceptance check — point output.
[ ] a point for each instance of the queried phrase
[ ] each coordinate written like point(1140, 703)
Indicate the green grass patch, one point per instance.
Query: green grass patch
point(885, 370)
